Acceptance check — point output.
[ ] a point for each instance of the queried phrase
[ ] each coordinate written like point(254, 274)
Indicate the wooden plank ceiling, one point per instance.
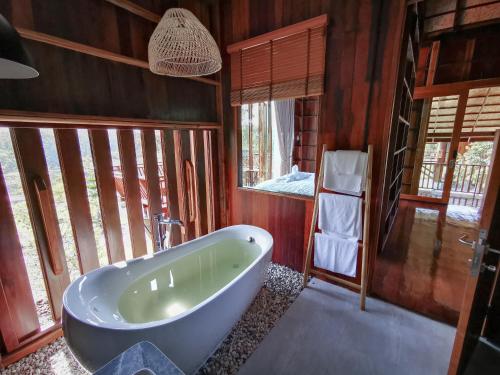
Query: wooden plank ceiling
point(447, 15)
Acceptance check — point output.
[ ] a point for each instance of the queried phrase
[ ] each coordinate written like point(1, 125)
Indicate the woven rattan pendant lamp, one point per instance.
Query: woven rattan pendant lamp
point(181, 46)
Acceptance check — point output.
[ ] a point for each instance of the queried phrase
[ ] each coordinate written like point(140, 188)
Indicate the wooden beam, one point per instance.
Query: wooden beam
point(136, 9)
point(210, 145)
point(419, 198)
point(469, 55)
point(31, 162)
point(33, 344)
point(182, 150)
point(220, 213)
point(488, 207)
point(433, 63)
point(335, 279)
point(110, 215)
point(439, 23)
point(24, 119)
point(455, 88)
point(450, 15)
point(132, 190)
point(419, 152)
point(169, 167)
point(481, 13)
point(68, 148)
point(96, 52)
point(198, 158)
point(8, 334)
point(455, 140)
point(18, 317)
point(152, 180)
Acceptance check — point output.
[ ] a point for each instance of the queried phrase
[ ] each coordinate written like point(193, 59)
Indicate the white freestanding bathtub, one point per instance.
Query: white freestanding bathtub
point(185, 300)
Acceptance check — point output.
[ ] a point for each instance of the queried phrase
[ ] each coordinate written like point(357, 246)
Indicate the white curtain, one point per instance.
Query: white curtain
point(285, 111)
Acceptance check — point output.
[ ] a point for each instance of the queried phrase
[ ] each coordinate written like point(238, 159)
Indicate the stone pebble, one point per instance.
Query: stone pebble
point(281, 288)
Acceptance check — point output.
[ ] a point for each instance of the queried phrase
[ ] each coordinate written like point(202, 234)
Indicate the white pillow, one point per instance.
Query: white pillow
point(297, 176)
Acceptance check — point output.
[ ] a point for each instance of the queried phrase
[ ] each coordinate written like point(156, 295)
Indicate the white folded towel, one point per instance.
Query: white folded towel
point(345, 161)
point(345, 171)
point(340, 214)
point(336, 254)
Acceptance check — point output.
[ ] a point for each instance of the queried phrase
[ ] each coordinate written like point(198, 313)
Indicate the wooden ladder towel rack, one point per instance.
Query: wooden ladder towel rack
point(366, 230)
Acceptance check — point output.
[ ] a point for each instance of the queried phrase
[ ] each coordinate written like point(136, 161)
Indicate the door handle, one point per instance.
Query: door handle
point(489, 267)
point(463, 240)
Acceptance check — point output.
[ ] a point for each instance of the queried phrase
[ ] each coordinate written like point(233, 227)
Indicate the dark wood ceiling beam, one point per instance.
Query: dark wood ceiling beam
point(455, 88)
point(136, 9)
point(445, 15)
point(24, 119)
point(93, 51)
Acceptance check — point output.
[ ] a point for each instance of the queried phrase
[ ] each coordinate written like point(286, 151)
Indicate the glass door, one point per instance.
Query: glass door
point(438, 153)
point(481, 120)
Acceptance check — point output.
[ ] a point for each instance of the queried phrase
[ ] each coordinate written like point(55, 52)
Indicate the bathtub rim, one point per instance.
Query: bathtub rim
point(127, 326)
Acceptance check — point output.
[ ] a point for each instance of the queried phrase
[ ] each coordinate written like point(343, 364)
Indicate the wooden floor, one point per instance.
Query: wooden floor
point(423, 266)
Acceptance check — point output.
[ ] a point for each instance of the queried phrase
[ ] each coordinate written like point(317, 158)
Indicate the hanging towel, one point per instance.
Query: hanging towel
point(340, 214)
point(345, 161)
point(345, 171)
point(336, 254)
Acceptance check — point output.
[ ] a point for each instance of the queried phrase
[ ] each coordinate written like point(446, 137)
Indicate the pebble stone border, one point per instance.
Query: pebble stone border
point(281, 288)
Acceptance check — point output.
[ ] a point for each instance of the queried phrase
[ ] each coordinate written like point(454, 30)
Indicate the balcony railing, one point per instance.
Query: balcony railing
point(467, 189)
point(117, 174)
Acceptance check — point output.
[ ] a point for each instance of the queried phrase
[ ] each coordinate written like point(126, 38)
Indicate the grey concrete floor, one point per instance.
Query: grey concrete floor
point(324, 332)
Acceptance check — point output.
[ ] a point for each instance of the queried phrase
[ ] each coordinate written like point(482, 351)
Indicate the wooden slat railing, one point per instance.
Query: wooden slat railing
point(128, 160)
point(184, 180)
point(468, 185)
point(70, 159)
point(29, 151)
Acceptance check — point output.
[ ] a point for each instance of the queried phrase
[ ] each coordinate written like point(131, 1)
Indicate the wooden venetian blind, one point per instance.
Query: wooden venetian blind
point(285, 63)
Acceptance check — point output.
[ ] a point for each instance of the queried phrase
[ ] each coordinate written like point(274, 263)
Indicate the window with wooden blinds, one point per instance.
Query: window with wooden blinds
point(285, 63)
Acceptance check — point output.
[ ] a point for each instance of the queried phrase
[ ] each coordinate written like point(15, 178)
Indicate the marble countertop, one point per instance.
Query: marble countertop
point(143, 358)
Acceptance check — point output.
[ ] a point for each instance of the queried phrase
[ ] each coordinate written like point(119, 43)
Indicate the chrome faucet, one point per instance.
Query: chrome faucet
point(163, 226)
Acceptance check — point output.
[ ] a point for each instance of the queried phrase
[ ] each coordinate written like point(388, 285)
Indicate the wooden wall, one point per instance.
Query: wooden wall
point(115, 92)
point(76, 83)
point(361, 61)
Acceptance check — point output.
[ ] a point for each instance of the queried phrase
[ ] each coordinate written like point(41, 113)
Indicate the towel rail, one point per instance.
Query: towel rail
point(366, 233)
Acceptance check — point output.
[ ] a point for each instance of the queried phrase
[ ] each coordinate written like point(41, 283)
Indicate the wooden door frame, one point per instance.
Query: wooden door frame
point(451, 154)
point(455, 140)
point(430, 91)
point(487, 213)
